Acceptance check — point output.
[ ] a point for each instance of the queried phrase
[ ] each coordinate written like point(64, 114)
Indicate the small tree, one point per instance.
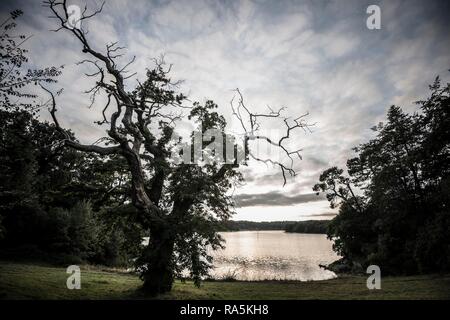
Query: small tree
point(179, 204)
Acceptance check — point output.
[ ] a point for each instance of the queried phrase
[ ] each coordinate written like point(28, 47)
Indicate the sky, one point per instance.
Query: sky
point(306, 56)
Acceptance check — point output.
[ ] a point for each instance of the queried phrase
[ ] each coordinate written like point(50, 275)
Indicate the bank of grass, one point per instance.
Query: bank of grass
point(31, 281)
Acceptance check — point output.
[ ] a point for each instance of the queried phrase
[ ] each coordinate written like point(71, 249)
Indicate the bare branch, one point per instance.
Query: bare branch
point(251, 120)
point(72, 143)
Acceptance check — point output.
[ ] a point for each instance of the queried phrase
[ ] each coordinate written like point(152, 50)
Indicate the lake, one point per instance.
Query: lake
point(273, 255)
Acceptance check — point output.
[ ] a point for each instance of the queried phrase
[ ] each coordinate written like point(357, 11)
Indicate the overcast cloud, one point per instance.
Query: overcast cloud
point(275, 198)
point(308, 56)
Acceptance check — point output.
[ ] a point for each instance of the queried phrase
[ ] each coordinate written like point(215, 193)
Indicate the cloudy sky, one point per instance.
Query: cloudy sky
point(308, 56)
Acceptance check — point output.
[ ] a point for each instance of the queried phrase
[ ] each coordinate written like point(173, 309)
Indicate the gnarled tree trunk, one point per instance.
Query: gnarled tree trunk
point(157, 257)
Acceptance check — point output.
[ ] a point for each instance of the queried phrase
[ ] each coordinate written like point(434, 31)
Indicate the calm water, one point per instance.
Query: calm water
point(261, 255)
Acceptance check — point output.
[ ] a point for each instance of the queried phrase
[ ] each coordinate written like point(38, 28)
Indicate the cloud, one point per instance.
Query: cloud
point(320, 215)
point(275, 199)
point(315, 56)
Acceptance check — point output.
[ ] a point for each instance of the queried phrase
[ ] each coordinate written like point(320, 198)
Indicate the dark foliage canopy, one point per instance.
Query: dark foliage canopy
point(400, 217)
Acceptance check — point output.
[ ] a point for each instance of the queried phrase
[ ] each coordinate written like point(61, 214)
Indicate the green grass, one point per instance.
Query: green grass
point(31, 281)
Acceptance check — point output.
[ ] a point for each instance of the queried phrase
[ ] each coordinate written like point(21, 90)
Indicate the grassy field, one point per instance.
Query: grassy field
point(30, 281)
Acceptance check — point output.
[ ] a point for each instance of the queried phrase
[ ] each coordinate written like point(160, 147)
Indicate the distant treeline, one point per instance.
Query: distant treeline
point(311, 226)
point(243, 225)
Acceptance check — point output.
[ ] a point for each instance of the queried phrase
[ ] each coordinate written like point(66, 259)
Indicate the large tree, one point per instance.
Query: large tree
point(178, 203)
point(400, 216)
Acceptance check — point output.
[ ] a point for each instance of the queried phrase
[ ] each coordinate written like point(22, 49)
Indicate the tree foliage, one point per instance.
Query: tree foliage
point(56, 200)
point(14, 80)
point(400, 217)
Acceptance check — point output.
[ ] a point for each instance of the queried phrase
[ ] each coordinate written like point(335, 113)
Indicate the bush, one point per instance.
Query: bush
point(432, 250)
